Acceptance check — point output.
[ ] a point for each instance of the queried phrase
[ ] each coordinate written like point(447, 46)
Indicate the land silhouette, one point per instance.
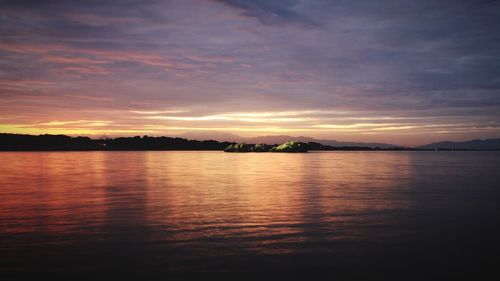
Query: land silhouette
point(487, 144)
point(289, 146)
point(20, 142)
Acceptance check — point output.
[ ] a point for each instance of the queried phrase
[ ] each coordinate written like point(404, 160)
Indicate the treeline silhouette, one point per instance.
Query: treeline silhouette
point(18, 142)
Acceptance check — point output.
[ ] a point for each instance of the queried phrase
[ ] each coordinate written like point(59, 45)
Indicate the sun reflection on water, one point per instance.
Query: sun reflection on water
point(269, 203)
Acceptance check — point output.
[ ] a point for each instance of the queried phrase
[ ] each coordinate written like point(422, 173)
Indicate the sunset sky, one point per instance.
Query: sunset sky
point(402, 72)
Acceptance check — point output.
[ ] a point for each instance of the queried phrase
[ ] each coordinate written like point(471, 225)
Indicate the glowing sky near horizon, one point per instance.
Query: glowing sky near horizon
point(403, 72)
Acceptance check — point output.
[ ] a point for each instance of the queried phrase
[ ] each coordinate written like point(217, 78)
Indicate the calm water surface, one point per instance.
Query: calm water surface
point(344, 214)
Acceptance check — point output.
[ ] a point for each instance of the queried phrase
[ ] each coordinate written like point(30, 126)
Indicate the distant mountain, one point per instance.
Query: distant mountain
point(221, 136)
point(487, 144)
point(285, 138)
point(363, 144)
point(278, 139)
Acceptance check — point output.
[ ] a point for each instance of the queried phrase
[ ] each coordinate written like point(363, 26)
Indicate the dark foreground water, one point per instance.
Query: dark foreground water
point(400, 215)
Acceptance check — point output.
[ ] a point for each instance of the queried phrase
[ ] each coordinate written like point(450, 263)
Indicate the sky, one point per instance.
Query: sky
point(394, 71)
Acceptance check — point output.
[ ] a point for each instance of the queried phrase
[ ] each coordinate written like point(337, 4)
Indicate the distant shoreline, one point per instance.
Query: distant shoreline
point(18, 142)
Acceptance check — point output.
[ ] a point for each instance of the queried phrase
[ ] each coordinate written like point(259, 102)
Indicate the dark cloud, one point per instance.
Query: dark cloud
point(271, 12)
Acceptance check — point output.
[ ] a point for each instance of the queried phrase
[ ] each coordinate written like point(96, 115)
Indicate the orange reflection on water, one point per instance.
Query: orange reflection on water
point(271, 199)
point(266, 202)
point(51, 192)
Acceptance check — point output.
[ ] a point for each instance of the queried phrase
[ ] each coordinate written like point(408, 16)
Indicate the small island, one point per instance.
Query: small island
point(289, 146)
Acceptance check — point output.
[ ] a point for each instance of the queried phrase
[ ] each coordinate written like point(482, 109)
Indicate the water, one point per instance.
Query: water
point(345, 214)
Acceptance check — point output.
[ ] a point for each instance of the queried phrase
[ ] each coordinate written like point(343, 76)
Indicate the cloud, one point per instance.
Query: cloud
point(270, 12)
point(296, 65)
